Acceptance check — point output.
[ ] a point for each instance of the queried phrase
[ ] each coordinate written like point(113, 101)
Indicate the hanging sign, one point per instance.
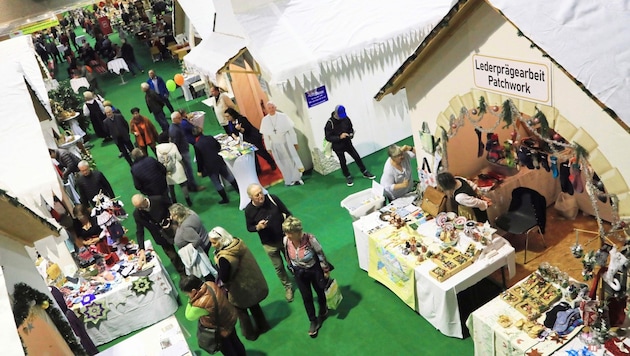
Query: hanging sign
point(105, 25)
point(316, 96)
point(517, 78)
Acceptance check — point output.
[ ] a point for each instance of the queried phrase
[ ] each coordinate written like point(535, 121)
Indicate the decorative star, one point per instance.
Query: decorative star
point(94, 313)
point(141, 285)
point(534, 352)
point(557, 338)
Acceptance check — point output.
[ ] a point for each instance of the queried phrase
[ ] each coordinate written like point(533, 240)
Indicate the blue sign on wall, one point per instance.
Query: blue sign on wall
point(316, 96)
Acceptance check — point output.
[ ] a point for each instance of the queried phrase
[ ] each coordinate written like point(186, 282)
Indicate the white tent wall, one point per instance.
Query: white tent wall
point(17, 267)
point(447, 72)
point(377, 124)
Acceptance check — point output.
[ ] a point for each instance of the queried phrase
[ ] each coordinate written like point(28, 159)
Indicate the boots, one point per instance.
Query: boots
point(224, 196)
point(259, 318)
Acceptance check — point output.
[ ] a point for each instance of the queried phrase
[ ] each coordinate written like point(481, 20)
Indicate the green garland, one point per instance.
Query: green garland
point(22, 297)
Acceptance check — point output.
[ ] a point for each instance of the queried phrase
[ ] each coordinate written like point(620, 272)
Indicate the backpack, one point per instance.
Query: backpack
point(168, 162)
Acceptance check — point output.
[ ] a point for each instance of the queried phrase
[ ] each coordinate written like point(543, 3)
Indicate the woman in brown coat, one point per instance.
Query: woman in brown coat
point(244, 280)
point(144, 131)
point(202, 307)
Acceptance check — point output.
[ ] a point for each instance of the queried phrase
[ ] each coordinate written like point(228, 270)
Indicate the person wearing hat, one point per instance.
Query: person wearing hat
point(339, 132)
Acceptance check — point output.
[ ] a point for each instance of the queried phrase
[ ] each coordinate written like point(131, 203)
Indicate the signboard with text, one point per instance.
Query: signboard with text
point(316, 96)
point(521, 79)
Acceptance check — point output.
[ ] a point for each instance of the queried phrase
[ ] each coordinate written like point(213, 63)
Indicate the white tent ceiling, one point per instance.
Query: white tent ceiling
point(590, 39)
point(290, 39)
point(222, 36)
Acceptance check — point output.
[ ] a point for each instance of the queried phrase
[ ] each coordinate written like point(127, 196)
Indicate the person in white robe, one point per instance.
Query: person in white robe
point(281, 141)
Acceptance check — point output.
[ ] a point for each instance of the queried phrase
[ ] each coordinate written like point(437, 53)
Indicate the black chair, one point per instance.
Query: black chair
point(527, 212)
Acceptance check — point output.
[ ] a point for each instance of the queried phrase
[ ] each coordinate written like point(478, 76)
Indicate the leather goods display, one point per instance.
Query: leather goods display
point(433, 201)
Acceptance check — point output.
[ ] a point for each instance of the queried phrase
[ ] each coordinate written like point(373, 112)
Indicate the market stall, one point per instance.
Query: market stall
point(425, 268)
point(114, 303)
point(508, 325)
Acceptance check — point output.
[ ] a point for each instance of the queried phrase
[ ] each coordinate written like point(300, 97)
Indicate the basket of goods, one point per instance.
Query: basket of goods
point(68, 136)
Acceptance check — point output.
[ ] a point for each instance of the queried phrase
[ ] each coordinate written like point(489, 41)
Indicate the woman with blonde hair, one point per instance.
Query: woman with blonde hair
point(189, 228)
point(309, 265)
point(245, 282)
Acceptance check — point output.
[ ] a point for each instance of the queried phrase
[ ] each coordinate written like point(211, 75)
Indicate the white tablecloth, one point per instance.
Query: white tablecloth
point(161, 339)
point(128, 312)
point(242, 166)
point(189, 79)
point(492, 339)
point(116, 65)
point(437, 301)
point(76, 83)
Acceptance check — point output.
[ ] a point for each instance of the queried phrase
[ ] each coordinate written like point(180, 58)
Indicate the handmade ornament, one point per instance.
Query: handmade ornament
point(45, 304)
point(94, 313)
point(141, 286)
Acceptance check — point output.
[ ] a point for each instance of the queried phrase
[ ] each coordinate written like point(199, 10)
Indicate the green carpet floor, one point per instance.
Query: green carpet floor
point(370, 320)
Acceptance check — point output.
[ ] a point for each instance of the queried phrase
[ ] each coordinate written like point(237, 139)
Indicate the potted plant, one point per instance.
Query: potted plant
point(65, 100)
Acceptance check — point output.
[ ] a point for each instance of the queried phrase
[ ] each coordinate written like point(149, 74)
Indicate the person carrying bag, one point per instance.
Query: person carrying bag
point(215, 314)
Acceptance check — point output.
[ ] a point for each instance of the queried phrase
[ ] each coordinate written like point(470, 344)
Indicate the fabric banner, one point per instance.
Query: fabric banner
point(105, 25)
point(389, 269)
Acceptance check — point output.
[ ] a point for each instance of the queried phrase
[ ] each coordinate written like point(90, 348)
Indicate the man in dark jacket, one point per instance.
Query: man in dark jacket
point(155, 104)
point(157, 84)
point(264, 215)
point(152, 213)
point(68, 161)
point(126, 52)
point(339, 132)
point(118, 129)
point(210, 164)
point(149, 175)
point(178, 137)
point(91, 182)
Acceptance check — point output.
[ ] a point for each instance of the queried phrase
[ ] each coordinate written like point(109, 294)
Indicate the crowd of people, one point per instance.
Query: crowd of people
point(218, 271)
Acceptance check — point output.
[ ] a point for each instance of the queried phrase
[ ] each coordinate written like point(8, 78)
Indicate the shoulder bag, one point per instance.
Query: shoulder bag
point(209, 339)
point(433, 201)
point(427, 139)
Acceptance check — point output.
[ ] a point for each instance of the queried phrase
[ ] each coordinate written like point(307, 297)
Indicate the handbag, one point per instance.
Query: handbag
point(427, 178)
point(208, 338)
point(427, 139)
point(433, 201)
point(333, 294)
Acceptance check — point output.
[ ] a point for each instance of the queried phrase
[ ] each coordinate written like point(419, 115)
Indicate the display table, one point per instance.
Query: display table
point(73, 124)
point(490, 338)
point(162, 339)
point(76, 83)
point(435, 301)
point(129, 306)
point(117, 66)
point(537, 179)
point(189, 79)
point(240, 159)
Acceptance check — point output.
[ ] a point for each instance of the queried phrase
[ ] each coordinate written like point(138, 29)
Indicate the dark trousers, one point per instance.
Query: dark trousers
point(247, 327)
point(224, 171)
point(168, 104)
point(232, 345)
point(174, 257)
point(160, 117)
point(190, 175)
point(305, 278)
point(124, 146)
point(349, 148)
point(132, 64)
point(264, 154)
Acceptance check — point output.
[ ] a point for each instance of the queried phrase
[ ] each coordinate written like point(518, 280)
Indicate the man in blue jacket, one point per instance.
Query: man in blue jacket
point(157, 84)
